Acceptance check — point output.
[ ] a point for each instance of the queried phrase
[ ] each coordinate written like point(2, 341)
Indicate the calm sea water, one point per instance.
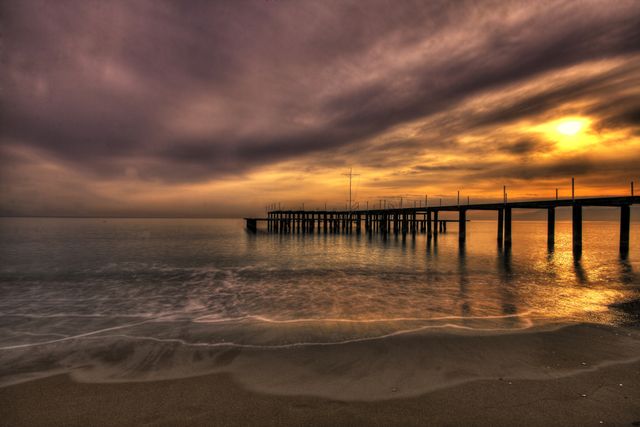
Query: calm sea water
point(69, 286)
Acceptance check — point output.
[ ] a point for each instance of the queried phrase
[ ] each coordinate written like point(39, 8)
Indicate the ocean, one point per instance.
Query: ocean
point(141, 299)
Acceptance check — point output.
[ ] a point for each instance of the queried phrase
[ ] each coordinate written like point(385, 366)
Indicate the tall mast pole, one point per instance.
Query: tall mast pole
point(350, 175)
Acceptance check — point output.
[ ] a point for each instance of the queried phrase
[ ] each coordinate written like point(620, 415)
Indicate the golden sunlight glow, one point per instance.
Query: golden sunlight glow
point(570, 127)
point(569, 133)
point(572, 134)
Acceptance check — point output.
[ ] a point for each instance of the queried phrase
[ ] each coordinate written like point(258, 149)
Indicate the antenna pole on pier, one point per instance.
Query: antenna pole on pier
point(426, 200)
point(556, 194)
point(573, 188)
point(350, 175)
point(631, 188)
point(458, 197)
point(504, 194)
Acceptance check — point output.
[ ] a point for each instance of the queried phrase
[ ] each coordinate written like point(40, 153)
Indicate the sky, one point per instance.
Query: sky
point(222, 108)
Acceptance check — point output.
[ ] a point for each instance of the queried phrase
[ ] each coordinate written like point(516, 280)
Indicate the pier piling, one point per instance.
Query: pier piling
point(435, 225)
point(577, 227)
point(507, 227)
point(551, 226)
point(500, 226)
point(625, 220)
point(462, 225)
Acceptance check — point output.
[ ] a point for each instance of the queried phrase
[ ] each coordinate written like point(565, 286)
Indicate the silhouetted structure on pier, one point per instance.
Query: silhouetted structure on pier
point(426, 219)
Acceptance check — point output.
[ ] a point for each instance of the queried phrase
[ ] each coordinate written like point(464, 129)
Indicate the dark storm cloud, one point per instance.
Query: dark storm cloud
point(98, 84)
point(543, 100)
point(577, 166)
point(525, 146)
point(630, 117)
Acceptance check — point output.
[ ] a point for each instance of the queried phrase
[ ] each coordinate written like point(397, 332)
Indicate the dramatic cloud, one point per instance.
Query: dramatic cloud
point(218, 108)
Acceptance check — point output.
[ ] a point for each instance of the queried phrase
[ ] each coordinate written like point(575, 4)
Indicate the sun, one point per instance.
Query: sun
point(570, 127)
point(568, 133)
point(571, 133)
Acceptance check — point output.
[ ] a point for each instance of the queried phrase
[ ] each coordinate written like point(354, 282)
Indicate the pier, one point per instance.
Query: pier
point(426, 219)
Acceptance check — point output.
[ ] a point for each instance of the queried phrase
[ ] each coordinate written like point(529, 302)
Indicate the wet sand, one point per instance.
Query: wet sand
point(575, 376)
point(217, 400)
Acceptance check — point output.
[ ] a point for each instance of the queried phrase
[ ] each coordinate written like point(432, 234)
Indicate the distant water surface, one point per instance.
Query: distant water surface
point(68, 286)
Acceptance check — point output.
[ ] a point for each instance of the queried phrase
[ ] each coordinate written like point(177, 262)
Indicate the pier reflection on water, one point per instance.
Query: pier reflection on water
point(548, 283)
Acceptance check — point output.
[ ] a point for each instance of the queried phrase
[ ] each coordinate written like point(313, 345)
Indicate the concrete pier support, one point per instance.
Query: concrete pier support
point(507, 227)
point(435, 224)
point(625, 222)
point(500, 226)
point(429, 231)
point(462, 225)
point(577, 228)
point(551, 227)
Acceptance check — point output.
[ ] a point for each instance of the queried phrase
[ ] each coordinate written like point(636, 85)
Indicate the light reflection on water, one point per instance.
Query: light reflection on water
point(67, 284)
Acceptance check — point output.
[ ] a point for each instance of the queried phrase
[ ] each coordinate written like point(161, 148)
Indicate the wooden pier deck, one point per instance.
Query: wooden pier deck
point(426, 219)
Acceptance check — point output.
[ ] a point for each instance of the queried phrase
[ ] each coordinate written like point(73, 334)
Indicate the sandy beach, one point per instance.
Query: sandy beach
point(218, 400)
point(588, 377)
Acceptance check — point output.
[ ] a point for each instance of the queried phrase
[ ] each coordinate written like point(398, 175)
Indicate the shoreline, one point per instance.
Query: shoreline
point(565, 377)
point(421, 361)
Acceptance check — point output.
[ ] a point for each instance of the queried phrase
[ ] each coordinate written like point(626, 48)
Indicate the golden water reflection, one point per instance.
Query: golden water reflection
point(411, 280)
